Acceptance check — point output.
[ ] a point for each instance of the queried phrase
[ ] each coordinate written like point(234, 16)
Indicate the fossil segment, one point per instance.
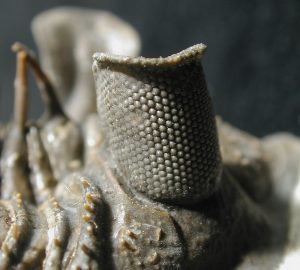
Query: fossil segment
point(63, 142)
point(87, 251)
point(17, 233)
point(161, 125)
point(42, 178)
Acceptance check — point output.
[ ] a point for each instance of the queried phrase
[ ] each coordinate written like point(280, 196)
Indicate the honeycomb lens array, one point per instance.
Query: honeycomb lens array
point(162, 129)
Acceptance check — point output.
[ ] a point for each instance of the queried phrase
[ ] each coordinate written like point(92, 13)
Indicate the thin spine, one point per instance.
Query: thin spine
point(53, 106)
point(14, 156)
point(58, 232)
point(87, 253)
point(21, 91)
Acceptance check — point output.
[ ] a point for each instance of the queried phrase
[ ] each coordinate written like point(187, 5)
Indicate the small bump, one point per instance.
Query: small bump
point(137, 104)
point(136, 96)
point(152, 111)
point(165, 101)
point(144, 108)
point(151, 103)
point(149, 95)
point(157, 99)
point(163, 93)
point(142, 92)
point(143, 100)
point(159, 114)
point(155, 91)
point(88, 208)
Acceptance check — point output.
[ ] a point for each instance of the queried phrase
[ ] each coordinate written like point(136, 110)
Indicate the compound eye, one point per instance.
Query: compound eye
point(161, 124)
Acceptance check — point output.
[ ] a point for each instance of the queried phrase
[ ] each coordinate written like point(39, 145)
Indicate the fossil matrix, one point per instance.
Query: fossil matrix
point(149, 180)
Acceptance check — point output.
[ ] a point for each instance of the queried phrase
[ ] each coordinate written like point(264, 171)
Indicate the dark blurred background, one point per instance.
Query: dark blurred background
point(252, 63)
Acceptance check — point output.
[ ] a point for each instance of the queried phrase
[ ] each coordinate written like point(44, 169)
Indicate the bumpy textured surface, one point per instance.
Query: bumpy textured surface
point(161, 124)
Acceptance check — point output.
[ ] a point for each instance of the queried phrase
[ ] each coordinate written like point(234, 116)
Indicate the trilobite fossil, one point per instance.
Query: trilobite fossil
point(153, 180)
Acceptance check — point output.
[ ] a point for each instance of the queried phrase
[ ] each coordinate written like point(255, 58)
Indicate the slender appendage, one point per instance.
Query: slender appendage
point(21, 91)
point(53, 106)
point(161, 124)
point(61, 137)
point(14, 154)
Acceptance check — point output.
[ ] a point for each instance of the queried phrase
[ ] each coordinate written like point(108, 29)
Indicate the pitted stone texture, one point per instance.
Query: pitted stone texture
point(162, 128)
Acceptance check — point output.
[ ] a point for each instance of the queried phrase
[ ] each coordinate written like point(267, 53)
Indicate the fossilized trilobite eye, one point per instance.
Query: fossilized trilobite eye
point(161, 124)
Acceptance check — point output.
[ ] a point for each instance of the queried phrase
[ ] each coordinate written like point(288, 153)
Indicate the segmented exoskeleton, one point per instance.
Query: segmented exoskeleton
point(151, 181)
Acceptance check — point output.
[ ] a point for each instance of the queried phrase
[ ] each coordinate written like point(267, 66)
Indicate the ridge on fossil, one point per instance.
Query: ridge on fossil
point(192, 53)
